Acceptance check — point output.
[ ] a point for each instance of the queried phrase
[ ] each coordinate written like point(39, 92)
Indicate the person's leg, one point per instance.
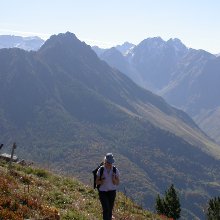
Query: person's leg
point(103, 197)
point(111, 198)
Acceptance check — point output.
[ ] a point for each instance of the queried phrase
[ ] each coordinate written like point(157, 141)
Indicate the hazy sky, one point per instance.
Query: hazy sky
point(107, 23)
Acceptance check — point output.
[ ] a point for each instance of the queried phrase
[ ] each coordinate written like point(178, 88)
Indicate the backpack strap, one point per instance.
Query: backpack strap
point(114, 169)
point(101, 171)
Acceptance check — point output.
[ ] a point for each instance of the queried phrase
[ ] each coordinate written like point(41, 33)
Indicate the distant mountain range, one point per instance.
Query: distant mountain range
point(187, 78)
point(26, 43)
point(66, 108)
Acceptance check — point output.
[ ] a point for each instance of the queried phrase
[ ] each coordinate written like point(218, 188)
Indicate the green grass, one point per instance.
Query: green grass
point(35, 193)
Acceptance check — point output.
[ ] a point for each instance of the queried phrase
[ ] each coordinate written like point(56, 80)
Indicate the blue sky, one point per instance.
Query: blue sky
point(108, 23)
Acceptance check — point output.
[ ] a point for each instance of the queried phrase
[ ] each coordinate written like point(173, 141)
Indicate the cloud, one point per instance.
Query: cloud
point(23, 33)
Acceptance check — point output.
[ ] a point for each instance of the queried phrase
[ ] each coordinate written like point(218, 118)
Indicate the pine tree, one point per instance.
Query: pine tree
point(172, 203)
point(159, 205)
point(214, 209)
point(169, 205)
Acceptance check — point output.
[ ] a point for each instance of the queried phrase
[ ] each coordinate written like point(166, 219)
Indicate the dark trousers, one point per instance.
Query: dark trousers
point(107, 200)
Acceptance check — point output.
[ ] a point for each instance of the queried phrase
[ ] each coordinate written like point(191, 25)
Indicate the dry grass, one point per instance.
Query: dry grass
point(33, 193)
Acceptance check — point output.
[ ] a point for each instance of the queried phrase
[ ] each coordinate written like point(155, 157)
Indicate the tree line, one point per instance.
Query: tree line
point(169, 205)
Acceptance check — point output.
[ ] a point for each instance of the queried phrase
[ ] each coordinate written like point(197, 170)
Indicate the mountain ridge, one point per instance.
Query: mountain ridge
point(26, 43)
point(179, 74)
point(146, 96)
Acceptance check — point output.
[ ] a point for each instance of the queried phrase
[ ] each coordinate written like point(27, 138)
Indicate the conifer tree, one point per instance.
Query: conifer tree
point(159, 205)
point(172, 203)
point(214, 208)
point(169, 205)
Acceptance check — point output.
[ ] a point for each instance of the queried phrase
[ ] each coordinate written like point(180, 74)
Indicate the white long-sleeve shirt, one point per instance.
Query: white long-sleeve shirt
point(108, 184)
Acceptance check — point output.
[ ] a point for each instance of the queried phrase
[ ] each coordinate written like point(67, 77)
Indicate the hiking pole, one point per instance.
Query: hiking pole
point(12, 154)
point(1, 147)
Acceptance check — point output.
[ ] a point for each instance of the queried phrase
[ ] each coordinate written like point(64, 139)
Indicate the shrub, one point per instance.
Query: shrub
point(214, 208)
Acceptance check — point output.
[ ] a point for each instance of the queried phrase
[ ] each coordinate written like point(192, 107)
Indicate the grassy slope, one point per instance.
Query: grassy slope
point(183, 130)
point(208, 120)
point(30, 192)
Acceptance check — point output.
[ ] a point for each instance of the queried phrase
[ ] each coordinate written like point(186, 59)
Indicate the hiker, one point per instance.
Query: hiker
point(108, 183)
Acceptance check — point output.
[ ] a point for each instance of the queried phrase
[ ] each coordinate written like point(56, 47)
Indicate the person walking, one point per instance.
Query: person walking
point(108, 180)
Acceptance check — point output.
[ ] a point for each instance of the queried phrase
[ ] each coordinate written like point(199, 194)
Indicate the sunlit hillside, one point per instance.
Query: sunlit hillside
point(28, 192)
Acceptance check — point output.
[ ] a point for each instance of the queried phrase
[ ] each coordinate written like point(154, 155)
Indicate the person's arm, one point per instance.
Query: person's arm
point(115, 179)
point(99, 181)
